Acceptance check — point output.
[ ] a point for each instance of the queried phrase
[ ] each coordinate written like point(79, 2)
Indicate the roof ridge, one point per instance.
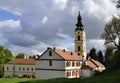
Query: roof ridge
point(93, 62)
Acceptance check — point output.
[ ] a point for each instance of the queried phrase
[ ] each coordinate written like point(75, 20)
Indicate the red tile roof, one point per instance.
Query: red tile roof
point(91, 64)
point(94, 63)
point(22, 61)
point(68, 55)
point(97, 63)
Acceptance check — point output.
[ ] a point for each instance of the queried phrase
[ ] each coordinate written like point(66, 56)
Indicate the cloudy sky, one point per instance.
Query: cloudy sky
point(30, 26)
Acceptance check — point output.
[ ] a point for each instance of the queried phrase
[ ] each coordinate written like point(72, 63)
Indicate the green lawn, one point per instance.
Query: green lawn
point(109, 77)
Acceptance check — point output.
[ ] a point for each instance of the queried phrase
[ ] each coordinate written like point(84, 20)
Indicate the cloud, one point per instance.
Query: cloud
point(95, 15)
point(44, 20)
point(12, 32)
point(52, 22)
point(96, 43)
point(60, 4)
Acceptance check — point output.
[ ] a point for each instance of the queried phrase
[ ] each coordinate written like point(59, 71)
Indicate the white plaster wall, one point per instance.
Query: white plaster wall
point(54, 55)
point(10, 71)
point(44, 64)
point(49, 74)
point(86, 73)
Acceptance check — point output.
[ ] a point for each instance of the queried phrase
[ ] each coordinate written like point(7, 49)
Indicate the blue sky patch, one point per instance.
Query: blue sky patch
point(5, 15)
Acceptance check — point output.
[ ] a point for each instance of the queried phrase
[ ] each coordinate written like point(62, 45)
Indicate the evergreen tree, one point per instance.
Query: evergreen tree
point(100, 56)
point(93, 54)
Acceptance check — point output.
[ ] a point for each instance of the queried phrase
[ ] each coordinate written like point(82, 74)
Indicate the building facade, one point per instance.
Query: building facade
point(19, 67)
point(54, 63)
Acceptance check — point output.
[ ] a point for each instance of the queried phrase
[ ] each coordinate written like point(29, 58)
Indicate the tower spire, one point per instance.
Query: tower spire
point(79, 24)
point(79, 19)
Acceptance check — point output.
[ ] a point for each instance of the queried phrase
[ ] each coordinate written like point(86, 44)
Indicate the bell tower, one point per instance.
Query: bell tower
point(80, 37)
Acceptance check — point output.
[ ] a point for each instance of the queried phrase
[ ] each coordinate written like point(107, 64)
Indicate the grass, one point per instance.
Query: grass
point(107, 77)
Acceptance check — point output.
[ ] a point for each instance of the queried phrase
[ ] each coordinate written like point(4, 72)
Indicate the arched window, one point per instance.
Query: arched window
point(78, 48)
point(78, 37)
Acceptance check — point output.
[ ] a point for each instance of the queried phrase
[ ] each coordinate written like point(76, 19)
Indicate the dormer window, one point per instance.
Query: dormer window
point(50, 53)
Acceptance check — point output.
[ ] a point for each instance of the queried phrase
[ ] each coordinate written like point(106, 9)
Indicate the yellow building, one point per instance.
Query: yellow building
point(80, 38)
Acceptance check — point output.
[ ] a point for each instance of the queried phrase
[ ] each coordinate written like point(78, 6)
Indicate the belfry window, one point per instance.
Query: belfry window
point(78, 48)
point(78, 37)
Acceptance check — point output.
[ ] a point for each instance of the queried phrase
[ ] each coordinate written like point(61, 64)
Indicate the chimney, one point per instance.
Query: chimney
point(83, 61)
point(26, 57)
point(86, 63)
point(89, 57)
point(53, 48)
point(63, 50)
point(71, 53)
point(48, 48)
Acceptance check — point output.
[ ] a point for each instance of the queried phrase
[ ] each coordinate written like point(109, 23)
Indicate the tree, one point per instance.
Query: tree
point(20, 55)
point(100, 56)
point(111, 33)
point(116, 60)
point(108, 54)
point(118, 4)
point(5, 56)
point(93, 54)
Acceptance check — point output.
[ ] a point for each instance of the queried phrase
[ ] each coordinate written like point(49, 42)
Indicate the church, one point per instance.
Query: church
point(56, 63)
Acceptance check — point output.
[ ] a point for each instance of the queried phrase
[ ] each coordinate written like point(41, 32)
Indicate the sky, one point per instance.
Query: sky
point(30, 26)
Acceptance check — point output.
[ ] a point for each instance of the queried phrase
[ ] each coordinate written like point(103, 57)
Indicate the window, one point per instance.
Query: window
point(50, 53)
point(7, 68)
point(20, 68)
point(68, 73)
point(73, 63)
point(31, 69)
point(77, 73)
point(78, 63)
point(27, 69)
point(78, 48)
point(50, 62)
point(73, 73)
point(78, 37)
point(13, 68)
point(68, 64)
point(23, 68)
